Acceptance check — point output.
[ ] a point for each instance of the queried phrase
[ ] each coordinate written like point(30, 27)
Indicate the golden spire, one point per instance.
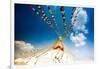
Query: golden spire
point(59, 44)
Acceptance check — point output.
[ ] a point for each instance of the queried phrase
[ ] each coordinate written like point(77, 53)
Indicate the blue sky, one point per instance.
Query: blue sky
point(31, 28)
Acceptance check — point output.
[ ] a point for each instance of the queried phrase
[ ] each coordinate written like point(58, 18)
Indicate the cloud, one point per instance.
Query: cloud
point(79, 28)
point(82, 16)
point(84, 52)
point(81, 20)
point(24, 46)
point(78, 40)
point(23, 49)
